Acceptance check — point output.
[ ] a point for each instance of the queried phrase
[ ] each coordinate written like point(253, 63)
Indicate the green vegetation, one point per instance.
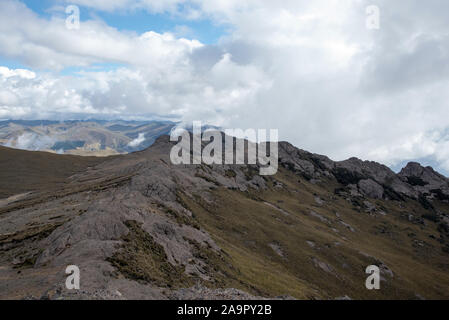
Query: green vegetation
point(244, 226)
point(143, 259)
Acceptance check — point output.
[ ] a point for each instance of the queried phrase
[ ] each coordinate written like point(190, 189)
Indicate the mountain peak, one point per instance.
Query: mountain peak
point(425, 179)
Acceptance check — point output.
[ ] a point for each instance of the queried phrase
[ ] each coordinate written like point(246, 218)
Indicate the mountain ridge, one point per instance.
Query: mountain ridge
point(141, 227)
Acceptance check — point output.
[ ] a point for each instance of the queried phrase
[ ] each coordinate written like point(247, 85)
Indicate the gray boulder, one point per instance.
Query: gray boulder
point(371, 188)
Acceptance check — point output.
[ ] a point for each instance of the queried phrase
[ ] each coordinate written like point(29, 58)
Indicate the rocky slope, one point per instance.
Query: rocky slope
point(141, 228)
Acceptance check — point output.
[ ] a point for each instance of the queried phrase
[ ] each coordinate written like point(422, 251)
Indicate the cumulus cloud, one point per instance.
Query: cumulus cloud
point(20, 73)
point(309, 68)
point(138, 141)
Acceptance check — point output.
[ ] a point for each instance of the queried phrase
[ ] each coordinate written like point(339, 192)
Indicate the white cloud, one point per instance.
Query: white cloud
point(21, 73)
point(309, 68)
point(138, 141)
point(31, 141)
point(48, 44)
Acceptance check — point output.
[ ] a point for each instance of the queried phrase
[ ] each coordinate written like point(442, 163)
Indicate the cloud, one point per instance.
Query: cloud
point(138, 141)
point(20, 73)
point(309, 68)
point(31, 141)
point(48, 44)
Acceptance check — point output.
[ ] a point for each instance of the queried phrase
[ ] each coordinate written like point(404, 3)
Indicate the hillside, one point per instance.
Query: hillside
point(141, 228)
point(23, 171)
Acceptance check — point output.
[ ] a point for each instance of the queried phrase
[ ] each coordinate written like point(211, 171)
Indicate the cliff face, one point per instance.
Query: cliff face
point(139, 227)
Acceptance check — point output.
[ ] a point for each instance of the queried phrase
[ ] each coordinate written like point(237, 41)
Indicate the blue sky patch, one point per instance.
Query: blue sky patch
point(138, 21)
point(141, 21)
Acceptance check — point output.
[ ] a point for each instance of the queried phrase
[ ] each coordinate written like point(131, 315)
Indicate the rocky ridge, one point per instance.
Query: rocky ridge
point(140, 227)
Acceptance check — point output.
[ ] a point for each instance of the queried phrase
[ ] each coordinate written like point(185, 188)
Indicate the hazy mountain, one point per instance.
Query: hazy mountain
point(86, 138)
point(141, 227)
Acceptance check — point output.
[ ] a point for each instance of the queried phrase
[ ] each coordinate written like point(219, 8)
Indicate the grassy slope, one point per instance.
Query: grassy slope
point(23, 171)
point(244, 226)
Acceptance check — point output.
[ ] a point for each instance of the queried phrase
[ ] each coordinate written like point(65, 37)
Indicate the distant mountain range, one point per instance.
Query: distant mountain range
point(85, 138)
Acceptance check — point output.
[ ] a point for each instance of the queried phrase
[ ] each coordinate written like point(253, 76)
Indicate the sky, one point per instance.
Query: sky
point(333, 76)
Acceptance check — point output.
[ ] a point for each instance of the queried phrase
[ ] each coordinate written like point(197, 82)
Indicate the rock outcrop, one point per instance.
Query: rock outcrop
point(426, 181)
point(366, 178)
